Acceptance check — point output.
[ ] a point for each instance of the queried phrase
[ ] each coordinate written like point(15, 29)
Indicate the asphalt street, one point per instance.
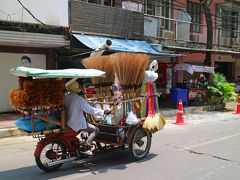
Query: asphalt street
point(208, 147)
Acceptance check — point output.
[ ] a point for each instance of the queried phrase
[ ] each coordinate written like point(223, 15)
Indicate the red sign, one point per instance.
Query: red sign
point(194, 94)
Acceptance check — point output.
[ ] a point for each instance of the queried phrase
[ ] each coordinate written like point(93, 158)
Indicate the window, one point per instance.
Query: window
point(194, 10)
point(160, 8)
point(102, 2)
point(229, 24)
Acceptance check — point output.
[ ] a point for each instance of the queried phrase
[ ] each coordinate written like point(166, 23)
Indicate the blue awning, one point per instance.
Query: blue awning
point(119, 44)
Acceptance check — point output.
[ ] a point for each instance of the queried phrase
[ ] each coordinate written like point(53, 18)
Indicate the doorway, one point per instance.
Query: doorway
point(227, 69)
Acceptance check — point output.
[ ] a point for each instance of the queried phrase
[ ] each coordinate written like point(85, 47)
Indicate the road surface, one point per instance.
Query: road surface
point(208, 147)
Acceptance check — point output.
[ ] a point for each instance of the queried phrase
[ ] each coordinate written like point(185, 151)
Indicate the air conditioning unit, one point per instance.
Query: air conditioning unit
point(194, 38)
point(165, 34)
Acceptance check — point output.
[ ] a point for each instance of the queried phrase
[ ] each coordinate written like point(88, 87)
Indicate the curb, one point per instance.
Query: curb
point(10, 132)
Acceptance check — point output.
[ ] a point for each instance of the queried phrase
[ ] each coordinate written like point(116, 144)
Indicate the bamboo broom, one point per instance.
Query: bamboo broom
point(103, 63)
point(142, 64)
point(154, 121)
point(149, 119)
point(130, 69)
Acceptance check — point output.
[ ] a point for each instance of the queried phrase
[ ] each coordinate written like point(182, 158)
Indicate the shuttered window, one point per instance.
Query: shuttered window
point(102, 2)
point(229, 24)
point(162, 9)
point(194, 10)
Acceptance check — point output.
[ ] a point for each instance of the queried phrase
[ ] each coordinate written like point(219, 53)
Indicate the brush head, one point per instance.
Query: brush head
point(103, 63)
point(130, 67)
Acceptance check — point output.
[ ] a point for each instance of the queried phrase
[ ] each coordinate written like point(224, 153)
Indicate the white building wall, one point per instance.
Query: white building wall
point(50, 12)
point(8, 82)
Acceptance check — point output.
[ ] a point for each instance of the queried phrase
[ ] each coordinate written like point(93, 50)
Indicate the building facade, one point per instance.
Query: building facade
point(181, 27)
point(49, 36)
point(30, 32)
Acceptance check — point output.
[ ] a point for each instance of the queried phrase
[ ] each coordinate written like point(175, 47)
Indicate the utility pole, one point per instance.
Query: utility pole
point(208, 16)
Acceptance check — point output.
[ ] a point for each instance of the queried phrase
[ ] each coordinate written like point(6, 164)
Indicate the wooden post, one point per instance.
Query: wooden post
point(114, 114)
point(32, 123)
point(63, 119)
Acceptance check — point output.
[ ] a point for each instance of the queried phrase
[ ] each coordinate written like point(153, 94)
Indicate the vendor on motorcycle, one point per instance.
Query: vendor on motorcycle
point(75, 106)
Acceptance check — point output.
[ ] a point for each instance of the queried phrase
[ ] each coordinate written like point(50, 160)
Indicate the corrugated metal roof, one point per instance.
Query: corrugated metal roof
point(27, 39)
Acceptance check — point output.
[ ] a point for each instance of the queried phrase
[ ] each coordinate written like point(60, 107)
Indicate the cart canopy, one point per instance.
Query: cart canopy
point(63, 73)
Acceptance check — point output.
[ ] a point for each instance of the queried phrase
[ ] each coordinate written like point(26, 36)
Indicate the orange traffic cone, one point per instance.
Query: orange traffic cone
point(238, 106)
point(180, 119)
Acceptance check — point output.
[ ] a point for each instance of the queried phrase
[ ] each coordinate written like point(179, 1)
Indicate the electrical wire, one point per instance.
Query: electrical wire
point(45, 26)
point(31, 13)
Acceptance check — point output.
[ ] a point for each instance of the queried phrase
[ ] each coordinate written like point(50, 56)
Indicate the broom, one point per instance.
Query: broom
point(103, 63)
point(149, 109)
point(154, 121)
point(159, 119)
point(143, 64)
point(130, 69)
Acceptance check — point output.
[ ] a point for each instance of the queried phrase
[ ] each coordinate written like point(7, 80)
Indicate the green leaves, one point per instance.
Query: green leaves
point(221, 91)
point(219, 78)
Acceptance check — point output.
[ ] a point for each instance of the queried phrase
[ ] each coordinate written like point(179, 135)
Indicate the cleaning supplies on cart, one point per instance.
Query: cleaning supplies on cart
point(154, 120)
point(121, 133)
point(131, 117)
point(119, 111)
point(151, 75)
point(98, 106)
point(109, 119)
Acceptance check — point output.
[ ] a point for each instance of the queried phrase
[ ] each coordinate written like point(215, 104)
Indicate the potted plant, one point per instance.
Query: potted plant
point(221, 91)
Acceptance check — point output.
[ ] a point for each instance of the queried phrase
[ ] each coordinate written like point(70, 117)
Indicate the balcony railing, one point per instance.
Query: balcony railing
point(104, 20)
point(180, 34)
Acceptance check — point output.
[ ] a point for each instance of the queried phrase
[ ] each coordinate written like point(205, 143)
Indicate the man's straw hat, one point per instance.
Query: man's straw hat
point(73, 87)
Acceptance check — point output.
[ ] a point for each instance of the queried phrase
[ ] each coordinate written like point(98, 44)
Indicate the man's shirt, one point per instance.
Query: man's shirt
point(75, 106)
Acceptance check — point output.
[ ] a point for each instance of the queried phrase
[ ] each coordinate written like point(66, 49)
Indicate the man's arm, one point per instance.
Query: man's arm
point(87, 108)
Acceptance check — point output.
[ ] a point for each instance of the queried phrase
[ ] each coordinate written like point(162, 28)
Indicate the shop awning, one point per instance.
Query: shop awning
point(193, 68)
point(29, 39)
point(120, 44)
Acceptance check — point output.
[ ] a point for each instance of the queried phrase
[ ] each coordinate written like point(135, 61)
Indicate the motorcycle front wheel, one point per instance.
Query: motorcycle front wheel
point(49, 153)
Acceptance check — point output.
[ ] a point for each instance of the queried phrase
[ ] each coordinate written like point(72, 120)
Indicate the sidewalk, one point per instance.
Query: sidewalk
point(9, 129)
point(7, 125)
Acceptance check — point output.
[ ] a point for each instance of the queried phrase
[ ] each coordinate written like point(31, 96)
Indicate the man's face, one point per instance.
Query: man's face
point(25, 62)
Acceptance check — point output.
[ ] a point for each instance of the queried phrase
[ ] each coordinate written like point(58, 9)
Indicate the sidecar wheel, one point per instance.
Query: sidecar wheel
point(140, 144)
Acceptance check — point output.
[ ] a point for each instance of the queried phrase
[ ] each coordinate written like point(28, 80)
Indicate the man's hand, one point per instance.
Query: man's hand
point(107, 112)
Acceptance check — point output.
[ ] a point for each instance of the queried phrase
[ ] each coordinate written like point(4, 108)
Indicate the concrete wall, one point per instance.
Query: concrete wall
point(53, 12)
point(8, 82)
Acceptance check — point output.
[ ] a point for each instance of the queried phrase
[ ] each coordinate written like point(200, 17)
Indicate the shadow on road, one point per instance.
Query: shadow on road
point(115, 160)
